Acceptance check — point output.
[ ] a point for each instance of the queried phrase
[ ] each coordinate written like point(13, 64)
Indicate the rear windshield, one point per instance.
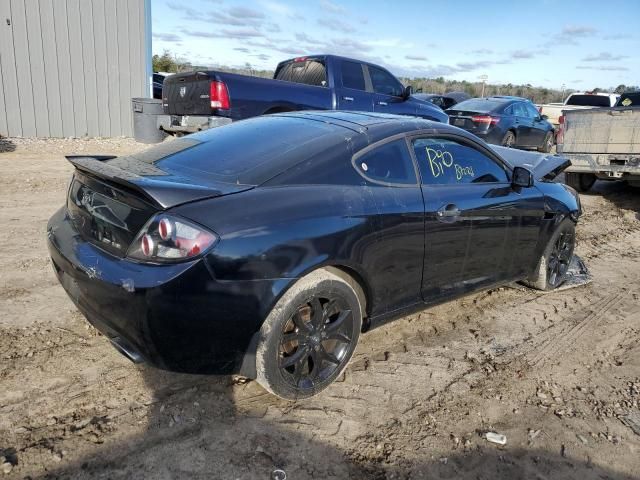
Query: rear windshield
point(629, 100)
point(479, 105)
point(589, 100)
point(249, 152)
point(309, 72)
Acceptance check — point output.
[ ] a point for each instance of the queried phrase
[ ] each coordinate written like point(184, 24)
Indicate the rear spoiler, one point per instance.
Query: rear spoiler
point(544, 166)
point(160, 188)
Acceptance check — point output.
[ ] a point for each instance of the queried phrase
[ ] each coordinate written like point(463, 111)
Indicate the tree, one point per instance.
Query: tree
point(620, 88)
point(164, 63)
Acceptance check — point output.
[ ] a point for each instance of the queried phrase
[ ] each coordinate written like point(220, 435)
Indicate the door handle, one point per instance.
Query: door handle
point(382, 103)
point(448, 211)
point(348, 99)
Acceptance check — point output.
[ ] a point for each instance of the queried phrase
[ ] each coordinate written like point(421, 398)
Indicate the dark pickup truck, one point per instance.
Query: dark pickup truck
point(198, 100)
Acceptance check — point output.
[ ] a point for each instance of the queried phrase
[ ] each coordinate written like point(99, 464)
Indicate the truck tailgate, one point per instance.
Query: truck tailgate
point(602, 131)
point(187, 94)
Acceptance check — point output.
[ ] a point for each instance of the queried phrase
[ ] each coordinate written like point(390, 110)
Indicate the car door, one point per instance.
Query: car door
point(522, 124)
point(539, 127)
point(395, 259)
point(473, 217)
point(352, 93)
point(387, 91)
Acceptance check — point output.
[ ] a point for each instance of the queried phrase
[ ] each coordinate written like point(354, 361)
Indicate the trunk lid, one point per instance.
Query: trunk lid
point(464, 119)
point(111, 198)
point(187, 94)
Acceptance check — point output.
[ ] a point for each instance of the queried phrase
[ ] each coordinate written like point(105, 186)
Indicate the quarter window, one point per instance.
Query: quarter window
point(384, 82)
point(389, 163)
point(352, 76)
point(447, 162)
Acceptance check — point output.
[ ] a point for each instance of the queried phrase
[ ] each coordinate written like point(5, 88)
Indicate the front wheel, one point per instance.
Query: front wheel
point(554, 263)
point(509, 139)
point(309, 337)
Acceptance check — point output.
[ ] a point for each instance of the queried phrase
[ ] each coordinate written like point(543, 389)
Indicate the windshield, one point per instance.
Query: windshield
point(589, 100)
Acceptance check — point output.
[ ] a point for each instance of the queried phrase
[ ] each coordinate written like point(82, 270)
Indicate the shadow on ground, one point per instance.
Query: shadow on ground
point(619, 193)
point(199, 427)
point(6, 145)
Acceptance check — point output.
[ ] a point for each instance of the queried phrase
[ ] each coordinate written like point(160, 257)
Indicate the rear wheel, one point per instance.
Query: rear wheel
point(547, 144)
point(309, 337)
point(509, 139)
point(582, 182)
point(554, 263)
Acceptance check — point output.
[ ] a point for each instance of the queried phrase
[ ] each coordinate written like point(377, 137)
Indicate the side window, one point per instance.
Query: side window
point(388, 163)
point(352, 76)
point(532, 111)
point(447, 162)
point(384, 82)
point(509, 110)
point(519, 110)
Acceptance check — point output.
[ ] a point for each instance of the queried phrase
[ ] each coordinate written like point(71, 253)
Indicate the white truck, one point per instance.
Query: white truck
point(576, 101)
point(602, 143)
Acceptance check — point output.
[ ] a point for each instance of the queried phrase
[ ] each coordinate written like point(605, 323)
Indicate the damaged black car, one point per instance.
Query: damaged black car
point(265, 247)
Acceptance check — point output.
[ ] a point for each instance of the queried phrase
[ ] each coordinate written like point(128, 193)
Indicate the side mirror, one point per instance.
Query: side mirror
point(408, 91)
point(544, 117)
point(521, 177)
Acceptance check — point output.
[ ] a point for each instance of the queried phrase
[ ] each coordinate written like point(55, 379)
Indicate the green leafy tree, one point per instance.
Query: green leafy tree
point(164, 63)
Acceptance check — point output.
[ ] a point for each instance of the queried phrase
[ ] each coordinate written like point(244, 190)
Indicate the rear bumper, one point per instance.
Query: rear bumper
point(190, 123)
point(175, 317)
point(613, 166)
point(493, 136)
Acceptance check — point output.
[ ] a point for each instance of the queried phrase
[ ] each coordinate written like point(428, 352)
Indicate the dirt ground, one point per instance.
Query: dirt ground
point(556, 373)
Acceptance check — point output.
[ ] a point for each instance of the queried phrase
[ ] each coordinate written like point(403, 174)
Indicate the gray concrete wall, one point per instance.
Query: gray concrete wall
point(68, 68)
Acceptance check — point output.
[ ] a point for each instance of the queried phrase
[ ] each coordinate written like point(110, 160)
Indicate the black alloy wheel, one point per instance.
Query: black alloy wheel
point(560, 258)
point(315, 342)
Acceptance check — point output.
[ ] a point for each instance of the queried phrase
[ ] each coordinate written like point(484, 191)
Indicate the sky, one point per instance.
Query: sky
point(550, 43)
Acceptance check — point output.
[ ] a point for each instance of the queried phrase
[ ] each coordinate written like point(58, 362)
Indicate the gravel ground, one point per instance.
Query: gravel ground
point(557, 373)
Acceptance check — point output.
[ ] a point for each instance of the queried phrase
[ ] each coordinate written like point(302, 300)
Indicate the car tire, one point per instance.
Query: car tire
point(547, 144)
point(581, 182)
point(509, 139)
point(552, 267)
point(309, 336)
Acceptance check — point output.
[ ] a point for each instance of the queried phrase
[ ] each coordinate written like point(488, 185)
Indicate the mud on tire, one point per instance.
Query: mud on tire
point(554, 262)
point(310, 335)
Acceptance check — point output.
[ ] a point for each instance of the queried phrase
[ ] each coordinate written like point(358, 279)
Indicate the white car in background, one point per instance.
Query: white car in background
point(577, 101)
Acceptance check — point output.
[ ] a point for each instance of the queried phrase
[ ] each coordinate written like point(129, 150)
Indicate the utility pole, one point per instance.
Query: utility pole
point(562, 95)
point(484, 79)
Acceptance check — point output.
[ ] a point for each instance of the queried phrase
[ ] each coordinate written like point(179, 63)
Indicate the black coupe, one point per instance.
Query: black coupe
point(266, 246)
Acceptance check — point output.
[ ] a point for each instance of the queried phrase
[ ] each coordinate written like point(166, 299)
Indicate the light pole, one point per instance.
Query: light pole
point(484, 79)
point(562, 95)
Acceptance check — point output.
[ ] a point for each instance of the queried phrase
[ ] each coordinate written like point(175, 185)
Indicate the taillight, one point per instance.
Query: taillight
point(167, 238)
point(561, 119)
point(300, 59)
point(488, 119)
point(219, 95)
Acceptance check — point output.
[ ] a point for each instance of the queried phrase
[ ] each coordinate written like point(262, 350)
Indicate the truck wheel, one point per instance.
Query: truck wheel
point(582, 182)
point(547, 143)
point(309, 336)
point(509, 139)
point(554, 262)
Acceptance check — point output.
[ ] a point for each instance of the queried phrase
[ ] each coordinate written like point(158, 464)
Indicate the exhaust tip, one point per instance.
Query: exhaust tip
point(125, 349)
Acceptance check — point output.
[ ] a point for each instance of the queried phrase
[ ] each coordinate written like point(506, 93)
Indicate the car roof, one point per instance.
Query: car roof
point(371, 127)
